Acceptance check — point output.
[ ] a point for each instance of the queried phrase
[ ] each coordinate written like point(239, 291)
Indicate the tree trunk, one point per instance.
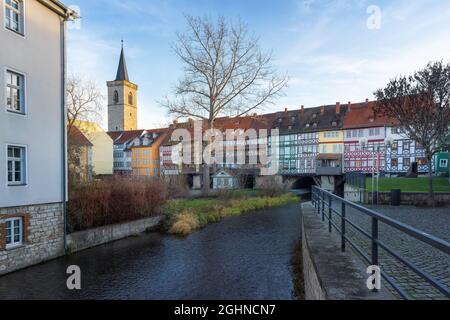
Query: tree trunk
point(431, 202)
point(206, 167)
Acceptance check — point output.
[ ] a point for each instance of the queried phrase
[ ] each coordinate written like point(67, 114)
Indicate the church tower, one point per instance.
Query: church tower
point(122, 100)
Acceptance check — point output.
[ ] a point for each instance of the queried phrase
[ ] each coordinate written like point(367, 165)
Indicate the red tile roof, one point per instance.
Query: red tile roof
point(362, 115)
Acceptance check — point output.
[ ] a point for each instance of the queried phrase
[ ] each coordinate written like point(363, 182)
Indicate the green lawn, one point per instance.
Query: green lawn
point(410, 185)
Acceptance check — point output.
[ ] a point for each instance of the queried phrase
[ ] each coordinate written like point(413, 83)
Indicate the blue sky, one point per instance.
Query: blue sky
point(324, 46)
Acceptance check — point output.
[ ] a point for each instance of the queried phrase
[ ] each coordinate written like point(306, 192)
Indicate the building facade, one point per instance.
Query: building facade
point(403, 153)
point(79, 150)
point(33, 184)
point(102, 147)
point(361, 122)
point(145, 153)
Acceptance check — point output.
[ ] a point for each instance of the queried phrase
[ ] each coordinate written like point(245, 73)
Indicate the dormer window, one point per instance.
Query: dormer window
point(314, 115)
point(14, 17)
point(280, 120)
point(315, 125)
point(308, 125)
point(290, 128)
point(371, 120)
point(334, 124)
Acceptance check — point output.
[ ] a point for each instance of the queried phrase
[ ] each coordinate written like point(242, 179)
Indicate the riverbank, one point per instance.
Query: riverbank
point(187, 215)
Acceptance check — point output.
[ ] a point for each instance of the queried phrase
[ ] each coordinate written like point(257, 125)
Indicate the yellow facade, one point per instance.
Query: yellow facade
point(331, 142)
point(102, 149)
point(145, 161)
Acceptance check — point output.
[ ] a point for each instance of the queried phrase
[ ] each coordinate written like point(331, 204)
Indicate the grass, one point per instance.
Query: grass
point(410, 185)
point(186, 215)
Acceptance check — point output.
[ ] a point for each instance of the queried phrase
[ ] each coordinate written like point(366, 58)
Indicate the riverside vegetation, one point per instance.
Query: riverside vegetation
point(187, 215)
point(109, 201)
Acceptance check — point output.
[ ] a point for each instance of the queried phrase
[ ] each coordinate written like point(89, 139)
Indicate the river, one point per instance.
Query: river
point(246, 257)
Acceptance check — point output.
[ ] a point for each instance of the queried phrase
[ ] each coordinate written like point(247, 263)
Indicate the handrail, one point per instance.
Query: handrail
point(324, 199)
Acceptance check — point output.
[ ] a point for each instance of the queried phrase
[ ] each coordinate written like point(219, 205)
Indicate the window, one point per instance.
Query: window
point(130, 98)
point(406, 146)
point(14, 16)
point(406, 162)
point(15, 92)
point(443, 163)
point(394, 162)
point(116, 97)
point(14, 232)
point(16, 165)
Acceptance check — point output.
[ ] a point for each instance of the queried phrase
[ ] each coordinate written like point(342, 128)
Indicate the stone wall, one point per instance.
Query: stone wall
point(43, 236)
point(410, 198)
point(82, 240)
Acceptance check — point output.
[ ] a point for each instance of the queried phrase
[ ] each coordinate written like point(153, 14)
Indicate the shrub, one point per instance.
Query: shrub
point(115, 200)
point(184, 224)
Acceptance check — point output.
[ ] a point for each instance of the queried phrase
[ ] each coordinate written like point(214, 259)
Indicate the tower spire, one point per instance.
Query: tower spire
point(122, 72)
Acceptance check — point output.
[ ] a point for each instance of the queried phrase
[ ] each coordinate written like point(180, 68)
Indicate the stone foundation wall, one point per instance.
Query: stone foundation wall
point(82, 240)
point(410, 198)
point(43, 236)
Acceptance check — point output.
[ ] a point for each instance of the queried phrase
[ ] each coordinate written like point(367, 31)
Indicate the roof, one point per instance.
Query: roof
point(322, 118)
point(362, 115)
point(122, 71)
point(59, 8)
point(77, 138)
point(122, 137)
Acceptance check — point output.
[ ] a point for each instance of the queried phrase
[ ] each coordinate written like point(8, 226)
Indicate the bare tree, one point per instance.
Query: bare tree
point(84, 101)
point(421, 104)
point(225, 73)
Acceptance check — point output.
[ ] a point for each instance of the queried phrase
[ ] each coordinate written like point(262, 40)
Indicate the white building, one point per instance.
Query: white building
point(32, 132)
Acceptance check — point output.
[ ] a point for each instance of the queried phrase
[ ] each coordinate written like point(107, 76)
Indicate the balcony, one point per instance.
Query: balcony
point(329, 165)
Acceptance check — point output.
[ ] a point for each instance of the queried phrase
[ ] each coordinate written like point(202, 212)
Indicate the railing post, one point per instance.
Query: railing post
point(323, 207)
point(343, 226)
point(375, 257)
point(330, 202)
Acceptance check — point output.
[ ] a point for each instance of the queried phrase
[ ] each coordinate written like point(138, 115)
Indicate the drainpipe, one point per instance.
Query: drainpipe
point(64, 127)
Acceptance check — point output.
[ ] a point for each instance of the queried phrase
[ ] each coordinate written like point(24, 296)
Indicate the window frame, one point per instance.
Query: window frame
point(14, 244)
point(22, 21)
point(24, 163)
point(23, 88)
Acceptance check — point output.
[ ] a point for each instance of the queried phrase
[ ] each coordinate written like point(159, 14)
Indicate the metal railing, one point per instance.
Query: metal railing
point(323, 201)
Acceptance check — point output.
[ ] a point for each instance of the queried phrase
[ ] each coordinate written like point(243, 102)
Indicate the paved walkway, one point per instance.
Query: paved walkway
point(427, 258)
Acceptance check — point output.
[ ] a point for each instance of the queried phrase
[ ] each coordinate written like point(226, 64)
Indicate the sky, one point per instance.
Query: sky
point(332, 50)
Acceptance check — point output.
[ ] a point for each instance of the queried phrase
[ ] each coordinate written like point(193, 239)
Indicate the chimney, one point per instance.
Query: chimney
point(303, 109)
point(349, 106)
point(285, 109)
point(338, 108)
point(322, 110)
point(367, 101)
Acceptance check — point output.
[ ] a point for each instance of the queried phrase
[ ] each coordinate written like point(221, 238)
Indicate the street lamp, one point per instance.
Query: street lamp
point(364, 142)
